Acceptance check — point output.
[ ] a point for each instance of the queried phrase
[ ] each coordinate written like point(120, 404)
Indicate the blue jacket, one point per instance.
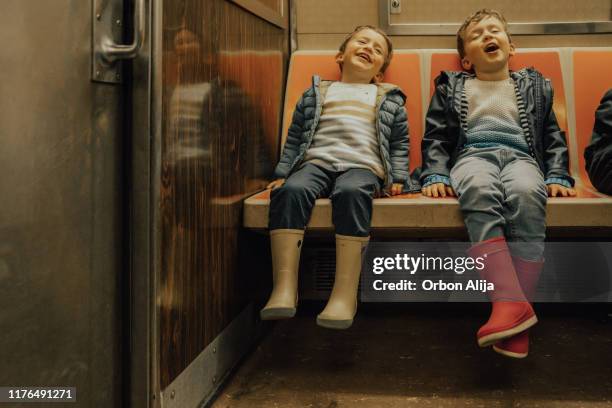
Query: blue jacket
point(445, 127)
point(391, 126)
point(598, 155)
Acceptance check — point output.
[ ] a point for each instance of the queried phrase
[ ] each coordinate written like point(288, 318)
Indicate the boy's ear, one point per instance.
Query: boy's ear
point(378, 78)
point(467, 64)
point(512, 50)
point(339, 58)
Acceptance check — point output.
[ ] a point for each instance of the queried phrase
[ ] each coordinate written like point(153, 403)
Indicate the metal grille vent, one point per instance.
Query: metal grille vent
point(317, 272)
point(324, 266)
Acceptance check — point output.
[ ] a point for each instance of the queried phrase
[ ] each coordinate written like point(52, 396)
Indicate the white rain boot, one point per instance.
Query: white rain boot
point(286, 247)
point(342, 305)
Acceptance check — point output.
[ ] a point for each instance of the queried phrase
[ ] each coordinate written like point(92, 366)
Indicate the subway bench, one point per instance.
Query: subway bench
point(580, 76)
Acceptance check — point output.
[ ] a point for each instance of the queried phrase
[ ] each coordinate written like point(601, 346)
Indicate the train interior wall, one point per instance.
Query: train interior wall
point(65, 229)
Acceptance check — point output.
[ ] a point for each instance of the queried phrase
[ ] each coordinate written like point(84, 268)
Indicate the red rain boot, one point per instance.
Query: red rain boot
point(528, 273)
point(511, 313)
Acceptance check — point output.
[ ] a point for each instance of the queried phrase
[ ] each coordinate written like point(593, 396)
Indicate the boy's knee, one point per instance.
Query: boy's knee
point(528, 190)
point(353, 192)
point(290, 191)
point(475, 185)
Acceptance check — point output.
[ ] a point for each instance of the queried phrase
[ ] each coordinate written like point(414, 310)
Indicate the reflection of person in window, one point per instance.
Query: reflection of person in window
point(212, 123)
point(186, 135)
point(598, 154)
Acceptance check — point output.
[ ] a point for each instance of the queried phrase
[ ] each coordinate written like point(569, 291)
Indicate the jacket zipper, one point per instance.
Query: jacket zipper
point(539, 124)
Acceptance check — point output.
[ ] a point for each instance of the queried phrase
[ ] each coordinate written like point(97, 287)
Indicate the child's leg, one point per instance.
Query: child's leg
point(526, 226)
point(290, 209)
point(351, 198)
point(525, 206)
point(292, 203)
point(476, 180)
point(351, 212)
point(528, 273)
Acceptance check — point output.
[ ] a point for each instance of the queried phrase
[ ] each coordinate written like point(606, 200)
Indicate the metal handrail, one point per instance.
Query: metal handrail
point(112, 52)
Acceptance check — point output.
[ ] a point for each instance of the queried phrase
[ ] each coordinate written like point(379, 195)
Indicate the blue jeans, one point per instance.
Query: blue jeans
point(351, 193)
point(502, 193)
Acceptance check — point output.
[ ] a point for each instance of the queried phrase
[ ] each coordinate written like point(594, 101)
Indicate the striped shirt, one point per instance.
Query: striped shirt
point(345, 137)
point(493, 115)
point(187, 138)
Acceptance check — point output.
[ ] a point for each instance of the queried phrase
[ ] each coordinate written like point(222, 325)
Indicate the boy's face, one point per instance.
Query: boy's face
point(364, 56)
point(487, 47)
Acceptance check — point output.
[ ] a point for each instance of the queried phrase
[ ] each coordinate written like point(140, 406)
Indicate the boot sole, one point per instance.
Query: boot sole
point(490, 339)
point(334, 324)
point(277, 313)
point(509, 353)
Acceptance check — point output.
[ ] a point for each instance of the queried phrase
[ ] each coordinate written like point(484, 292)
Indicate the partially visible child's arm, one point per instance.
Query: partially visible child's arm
point(556, 158)
point(598, 154)
point(437, 146)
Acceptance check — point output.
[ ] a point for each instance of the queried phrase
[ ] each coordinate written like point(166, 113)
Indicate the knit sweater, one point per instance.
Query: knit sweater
point(346, 135)
point(493, 118)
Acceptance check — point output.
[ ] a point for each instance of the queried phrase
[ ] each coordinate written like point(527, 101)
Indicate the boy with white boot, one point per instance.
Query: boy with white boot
point(348, 141)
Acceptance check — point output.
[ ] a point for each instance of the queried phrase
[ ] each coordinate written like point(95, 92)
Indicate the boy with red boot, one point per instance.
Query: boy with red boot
point(492, 138)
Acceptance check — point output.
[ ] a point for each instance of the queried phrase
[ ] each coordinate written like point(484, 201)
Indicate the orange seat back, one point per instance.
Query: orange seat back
point(592, 78)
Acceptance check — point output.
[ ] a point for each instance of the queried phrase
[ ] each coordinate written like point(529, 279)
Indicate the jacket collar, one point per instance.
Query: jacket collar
point(383, 87)
point(452, 76)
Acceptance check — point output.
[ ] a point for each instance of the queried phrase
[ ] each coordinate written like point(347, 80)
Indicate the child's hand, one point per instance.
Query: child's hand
point(276, 184)
point(555, 190)
point(438, 190)
point(397, 188)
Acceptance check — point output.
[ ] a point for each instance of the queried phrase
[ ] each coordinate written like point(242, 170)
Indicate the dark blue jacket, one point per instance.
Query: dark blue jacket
point(598, 154)
point(445, 136)
point(391, 126)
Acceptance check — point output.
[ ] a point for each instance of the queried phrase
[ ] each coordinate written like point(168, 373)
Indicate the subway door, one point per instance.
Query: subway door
point(62, 275)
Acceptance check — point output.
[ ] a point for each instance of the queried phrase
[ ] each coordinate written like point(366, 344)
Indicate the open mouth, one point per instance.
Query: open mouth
point(365, 57)
point(491, 48)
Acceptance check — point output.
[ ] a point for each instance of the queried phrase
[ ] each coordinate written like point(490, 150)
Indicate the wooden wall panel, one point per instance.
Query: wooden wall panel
point(275, 5)
point(223, 76)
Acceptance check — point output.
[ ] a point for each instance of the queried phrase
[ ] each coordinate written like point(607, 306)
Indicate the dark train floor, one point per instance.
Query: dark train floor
point(409, 355)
